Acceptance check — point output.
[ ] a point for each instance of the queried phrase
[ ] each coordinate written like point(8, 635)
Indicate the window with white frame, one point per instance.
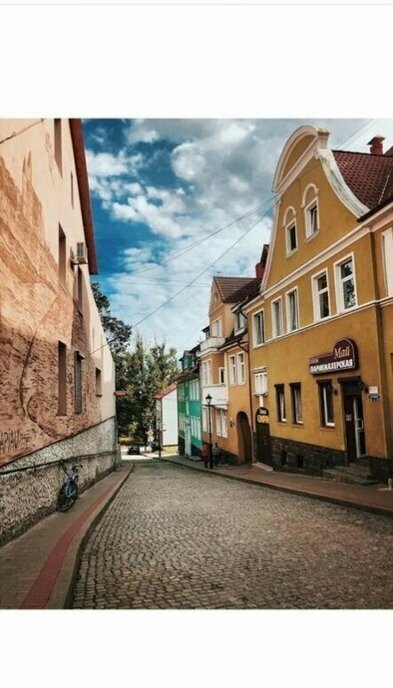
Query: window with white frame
point(291, 237)
point(312, 219)
point(206, 373)
point(205, 419)
point(221, 423)
point(240, 369)
point(258, 328)
point(326, 403)
point(240, 321)
point(277, 318)
point(196, 382)
point(345, 284)
point(221, 376)
point(296, 396)
point(216, 328)
point(292, 311)
point(321, 296)
point(260, 383)
point(232, 370)
point(280, 399)
point(387, 251)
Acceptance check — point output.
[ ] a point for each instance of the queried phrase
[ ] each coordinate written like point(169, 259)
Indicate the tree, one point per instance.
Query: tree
point(118, 333)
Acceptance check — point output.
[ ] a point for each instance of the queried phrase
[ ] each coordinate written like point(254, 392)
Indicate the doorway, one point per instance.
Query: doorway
point(244, 439)
point(353, 421)
point(264, 448)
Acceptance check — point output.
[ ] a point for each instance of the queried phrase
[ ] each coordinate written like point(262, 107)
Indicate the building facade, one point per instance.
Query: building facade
point(56, 371)
point(166, 416)
point(321, 346)
point(189, 405)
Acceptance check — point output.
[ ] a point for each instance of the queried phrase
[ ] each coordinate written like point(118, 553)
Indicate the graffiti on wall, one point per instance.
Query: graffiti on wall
point(11, 440)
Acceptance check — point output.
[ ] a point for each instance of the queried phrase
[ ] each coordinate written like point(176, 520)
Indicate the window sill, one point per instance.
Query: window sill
point(327, 427)
point(258, 346)
point(311, 236)
point(291, 253)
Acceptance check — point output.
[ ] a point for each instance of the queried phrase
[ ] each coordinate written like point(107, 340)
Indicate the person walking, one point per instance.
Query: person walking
point(205, 454)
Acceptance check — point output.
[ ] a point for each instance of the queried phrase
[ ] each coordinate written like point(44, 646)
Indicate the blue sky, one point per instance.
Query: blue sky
point(161, 185)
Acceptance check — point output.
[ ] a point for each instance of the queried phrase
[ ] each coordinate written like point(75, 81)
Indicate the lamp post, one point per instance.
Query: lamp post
point(209, 400)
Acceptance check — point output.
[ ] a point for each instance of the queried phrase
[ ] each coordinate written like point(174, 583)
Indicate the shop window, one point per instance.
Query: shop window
point(258, 328)
point(280, 399)
point(62, 379)
point(277, 318)
point(345, 285)
point(296, 398)
point(321, 296)
point(326, 403)
point(292, 311)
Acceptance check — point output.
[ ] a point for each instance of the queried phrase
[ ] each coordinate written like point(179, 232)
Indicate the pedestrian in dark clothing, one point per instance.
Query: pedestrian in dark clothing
point(205, 454)
point(216, 452)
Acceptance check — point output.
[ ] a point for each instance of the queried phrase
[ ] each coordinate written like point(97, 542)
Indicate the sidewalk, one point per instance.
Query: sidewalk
point(376, 498)
point(37, 568)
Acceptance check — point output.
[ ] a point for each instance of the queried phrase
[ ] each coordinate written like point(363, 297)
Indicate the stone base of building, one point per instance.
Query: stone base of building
point(299, 457)
point(29, 485)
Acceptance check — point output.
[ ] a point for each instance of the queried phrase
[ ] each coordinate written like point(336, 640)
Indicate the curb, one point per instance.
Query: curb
point(338, 501)
point(86, 536)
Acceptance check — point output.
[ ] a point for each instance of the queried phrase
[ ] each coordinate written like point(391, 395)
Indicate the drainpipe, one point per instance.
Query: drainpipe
point(249, 394)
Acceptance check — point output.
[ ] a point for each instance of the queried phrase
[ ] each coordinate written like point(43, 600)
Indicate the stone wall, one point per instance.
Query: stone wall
point(301, 457)
point(29, 486)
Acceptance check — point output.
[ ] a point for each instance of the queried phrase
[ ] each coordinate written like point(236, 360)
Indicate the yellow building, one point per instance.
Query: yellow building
point(224, 371)
point(321, 328)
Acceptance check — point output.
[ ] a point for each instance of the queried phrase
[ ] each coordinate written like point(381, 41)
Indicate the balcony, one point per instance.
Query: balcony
point(218, 393)
point(211, 344)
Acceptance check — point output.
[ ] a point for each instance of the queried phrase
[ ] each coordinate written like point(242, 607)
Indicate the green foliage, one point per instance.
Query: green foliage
point(140, 371)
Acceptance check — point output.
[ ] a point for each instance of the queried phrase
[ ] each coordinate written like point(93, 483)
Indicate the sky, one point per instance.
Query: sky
point(163, 192)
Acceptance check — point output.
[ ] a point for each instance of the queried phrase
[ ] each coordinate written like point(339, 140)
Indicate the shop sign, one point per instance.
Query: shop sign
point(262, 415)
point(343, 357)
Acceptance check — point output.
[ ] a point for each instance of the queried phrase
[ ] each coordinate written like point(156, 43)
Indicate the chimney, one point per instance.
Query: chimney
point(259, 270)
point(376, 147)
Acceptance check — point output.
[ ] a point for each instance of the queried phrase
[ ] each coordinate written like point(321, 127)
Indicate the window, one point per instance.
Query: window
point(345, 284)
point(79, 279)
point(258, 328)
point(296, 396)
point(72, 189)
point(280, 398)
point(312, 219)
point(292, 311)
point(260, 383)
point(240, 369)
point(205, 421)
point(326, 403)
point(321, 296)
point(240, 322)
point(277, 318)
point(98, 383)
point(221, 423)
point(58, 145)
point(78, 382)
point(206, 373)
point(291, 237)
point(221, 376)
point(62, 375)
point(216, 328)
point(387, 251)
point(62, 256)
point(232, 370)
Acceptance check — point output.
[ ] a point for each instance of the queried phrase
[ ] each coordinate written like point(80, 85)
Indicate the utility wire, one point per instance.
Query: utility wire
point(21, 131)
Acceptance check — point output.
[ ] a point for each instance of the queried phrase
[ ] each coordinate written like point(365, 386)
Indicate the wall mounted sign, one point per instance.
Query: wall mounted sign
point(262, 415)
point(343, 357)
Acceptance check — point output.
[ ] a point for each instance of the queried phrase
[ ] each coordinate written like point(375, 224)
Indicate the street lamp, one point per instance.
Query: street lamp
point(209, 400)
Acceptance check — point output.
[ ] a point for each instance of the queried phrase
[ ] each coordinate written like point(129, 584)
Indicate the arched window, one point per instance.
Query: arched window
point(311, 210)
point(289, 224)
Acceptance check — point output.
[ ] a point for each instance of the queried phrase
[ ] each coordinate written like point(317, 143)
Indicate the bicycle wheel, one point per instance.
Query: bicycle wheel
point(63, 500)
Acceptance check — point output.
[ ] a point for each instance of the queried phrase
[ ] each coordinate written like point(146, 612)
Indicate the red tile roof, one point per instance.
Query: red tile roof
point(234, 289)
point(165, 391)
point(370, 177)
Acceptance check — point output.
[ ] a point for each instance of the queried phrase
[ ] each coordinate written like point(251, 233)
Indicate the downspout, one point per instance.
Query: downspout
point(249, 391)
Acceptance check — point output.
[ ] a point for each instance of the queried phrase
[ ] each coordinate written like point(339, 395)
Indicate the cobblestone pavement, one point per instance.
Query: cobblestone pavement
point(176, 538)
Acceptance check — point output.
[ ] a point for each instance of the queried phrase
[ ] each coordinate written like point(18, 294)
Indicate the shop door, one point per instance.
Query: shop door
point(244, 438)
point(354, 424)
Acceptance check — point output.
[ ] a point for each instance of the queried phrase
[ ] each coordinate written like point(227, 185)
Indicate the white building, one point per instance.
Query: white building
point(166, 415)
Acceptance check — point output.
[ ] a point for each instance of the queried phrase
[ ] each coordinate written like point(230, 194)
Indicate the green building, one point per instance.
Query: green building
point(189, 405)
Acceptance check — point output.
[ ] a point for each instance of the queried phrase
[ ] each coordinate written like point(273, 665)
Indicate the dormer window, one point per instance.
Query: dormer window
point(311, 211)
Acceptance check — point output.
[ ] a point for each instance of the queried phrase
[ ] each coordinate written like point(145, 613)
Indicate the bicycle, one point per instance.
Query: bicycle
point(69, 491)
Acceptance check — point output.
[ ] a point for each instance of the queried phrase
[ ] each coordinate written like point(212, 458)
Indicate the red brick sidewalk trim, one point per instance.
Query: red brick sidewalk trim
point(40, 591)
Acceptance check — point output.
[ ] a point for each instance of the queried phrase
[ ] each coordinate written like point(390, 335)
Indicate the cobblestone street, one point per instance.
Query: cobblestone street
point(177, 538)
